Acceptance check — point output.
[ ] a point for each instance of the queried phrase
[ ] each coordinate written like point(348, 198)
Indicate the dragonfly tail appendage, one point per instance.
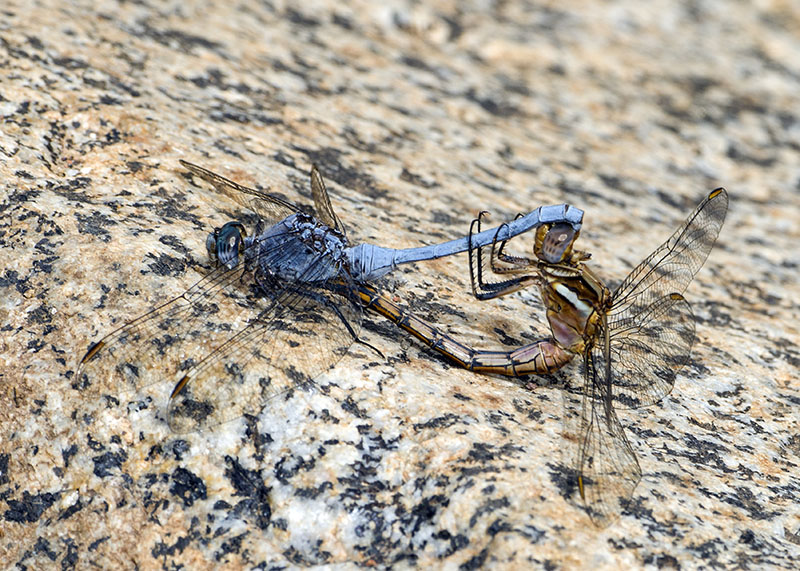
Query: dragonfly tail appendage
point(371, 262)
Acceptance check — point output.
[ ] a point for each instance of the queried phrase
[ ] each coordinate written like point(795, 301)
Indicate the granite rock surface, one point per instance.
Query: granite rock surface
point(419, 115)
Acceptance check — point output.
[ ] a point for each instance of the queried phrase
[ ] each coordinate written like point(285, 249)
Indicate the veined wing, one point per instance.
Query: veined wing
point(154, 346)
point(608, 470)
point(268, 206)
point(226, 308)
point(674, 264)
point(306, 328)
point(650, 324)
point(648, 349)
point(322, 202)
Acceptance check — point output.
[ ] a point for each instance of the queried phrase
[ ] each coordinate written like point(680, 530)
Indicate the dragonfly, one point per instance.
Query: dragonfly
point(633, 341)
point(280, 307)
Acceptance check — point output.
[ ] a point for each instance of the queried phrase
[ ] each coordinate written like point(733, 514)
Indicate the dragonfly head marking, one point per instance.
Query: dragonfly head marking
point(554, 242)
point(226, 244)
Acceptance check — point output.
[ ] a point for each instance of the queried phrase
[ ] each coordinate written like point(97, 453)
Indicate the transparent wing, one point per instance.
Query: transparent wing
point(235, 338)
point(157, 344)
point(674, 264)
point(608, 470)
point(268, 206)
point(648, 349)
point(322, 202)
point(650, 324)
point(307, 328)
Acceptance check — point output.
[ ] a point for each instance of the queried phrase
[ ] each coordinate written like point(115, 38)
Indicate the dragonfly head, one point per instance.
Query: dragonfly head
point(554, 242)
point(226, 244)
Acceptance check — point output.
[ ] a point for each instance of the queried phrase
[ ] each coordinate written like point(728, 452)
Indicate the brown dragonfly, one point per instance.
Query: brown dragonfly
point(633, 340)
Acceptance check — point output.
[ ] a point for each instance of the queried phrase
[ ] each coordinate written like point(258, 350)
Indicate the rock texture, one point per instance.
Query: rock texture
point(419, 115)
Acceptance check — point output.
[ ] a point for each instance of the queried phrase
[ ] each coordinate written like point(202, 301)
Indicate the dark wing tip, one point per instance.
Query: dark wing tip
point(93, 350)
point(195, 169)
point(179, 387)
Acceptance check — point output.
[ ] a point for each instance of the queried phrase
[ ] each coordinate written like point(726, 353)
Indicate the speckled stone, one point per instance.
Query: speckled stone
point(419, 116)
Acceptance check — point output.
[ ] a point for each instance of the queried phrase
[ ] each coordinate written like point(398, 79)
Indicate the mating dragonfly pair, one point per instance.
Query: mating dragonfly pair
point(633, 341)
point(297, 283)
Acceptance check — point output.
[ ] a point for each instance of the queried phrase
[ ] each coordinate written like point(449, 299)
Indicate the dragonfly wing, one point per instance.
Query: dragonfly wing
point(308, 326)
point(648, 349)
point(322, 201)
point(674, 264)
point(608, 470)
point(268, 206)
point(128, 355)
point(651, 326)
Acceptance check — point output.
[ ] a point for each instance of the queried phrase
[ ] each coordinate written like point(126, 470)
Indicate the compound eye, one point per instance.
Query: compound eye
point(228, 243)
point(557, 243)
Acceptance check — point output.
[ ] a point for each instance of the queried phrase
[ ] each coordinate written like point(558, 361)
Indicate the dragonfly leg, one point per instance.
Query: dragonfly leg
point(517, 263)
point(324, 300)
point(499, 289)
point(484, 289)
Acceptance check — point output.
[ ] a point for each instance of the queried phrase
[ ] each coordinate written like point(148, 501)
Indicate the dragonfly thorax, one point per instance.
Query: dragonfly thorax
point(575, 299)
point(297, 249)
point(322, 239)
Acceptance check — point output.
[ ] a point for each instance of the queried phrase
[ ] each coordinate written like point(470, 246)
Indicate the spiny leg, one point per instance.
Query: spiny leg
point(517, 263)
point(346, 291)
point(482, 288)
